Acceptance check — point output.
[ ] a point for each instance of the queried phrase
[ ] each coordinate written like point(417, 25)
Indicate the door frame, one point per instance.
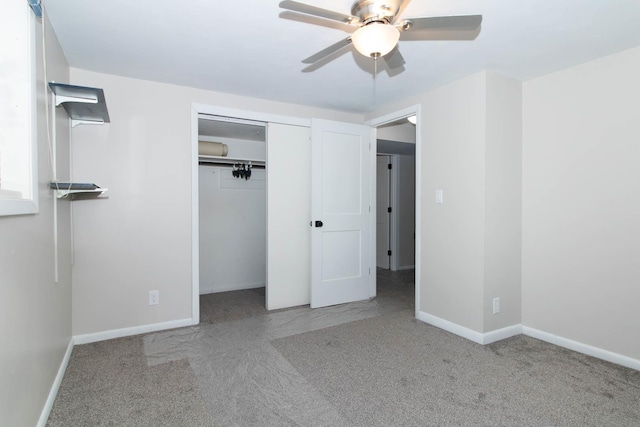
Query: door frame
point(379, 121)
point(196, 109)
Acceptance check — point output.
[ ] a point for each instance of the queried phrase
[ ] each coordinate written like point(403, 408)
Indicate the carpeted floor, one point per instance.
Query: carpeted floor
point(361, 364)
point(394, 370)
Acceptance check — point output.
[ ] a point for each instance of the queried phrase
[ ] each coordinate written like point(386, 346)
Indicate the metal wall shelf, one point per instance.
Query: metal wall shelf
point(84, 105)
point(77, 190)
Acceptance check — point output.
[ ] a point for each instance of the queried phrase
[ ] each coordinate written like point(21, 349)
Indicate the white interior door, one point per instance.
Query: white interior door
point(383, 202)
point(341, 213)
point(288, 216)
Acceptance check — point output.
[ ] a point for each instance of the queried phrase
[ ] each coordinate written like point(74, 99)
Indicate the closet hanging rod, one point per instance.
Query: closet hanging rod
point(228, 160)
point(230, 165)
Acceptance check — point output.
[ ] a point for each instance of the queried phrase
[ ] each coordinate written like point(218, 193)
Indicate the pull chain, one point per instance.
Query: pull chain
point(375, 72)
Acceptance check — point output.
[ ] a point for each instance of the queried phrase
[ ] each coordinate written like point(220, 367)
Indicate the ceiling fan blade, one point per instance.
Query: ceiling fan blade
point(314, 20)
point(401, 6)
point(317, 11)
point(394, 59)
point(441, 35)
point(444, 23)
point(328, 51)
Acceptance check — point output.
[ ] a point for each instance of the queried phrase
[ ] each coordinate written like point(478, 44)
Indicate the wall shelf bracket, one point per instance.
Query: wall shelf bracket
point(84, 105)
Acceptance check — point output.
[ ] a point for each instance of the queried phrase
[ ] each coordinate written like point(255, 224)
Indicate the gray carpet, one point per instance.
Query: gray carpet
point(361, 364)
point(227, 306)
point(394, 370)
point(110, 384)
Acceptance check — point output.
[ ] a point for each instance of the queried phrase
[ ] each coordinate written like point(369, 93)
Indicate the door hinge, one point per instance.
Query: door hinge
point(389, 253)
point(389, 209)
point(390, 166)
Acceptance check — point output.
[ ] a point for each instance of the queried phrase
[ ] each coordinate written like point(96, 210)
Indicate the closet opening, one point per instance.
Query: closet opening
point(232, 206)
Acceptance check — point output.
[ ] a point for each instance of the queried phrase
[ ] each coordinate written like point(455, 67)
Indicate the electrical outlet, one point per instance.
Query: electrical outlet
point(154, 297)
point(496, 305)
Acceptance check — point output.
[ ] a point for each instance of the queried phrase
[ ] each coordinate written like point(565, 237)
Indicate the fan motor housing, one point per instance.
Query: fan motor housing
point(375, 10)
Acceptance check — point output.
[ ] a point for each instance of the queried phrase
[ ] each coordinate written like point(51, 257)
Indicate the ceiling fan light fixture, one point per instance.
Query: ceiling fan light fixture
point(375, 39)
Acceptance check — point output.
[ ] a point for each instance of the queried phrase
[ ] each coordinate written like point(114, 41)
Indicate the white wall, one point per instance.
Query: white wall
point(404, 132)
point(503, 202)
point(233, 244)
point(453, 157)
point(581, 203)
point(139, 238)
point(35, 312)
point(467, 152)
point(240, 149)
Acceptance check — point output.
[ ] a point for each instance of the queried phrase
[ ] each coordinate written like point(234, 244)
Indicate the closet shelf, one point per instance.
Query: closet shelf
point(78, 190)
point(84, 105)
point(229, 160)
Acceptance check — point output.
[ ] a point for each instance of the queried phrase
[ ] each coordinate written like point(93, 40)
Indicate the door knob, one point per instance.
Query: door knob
point(319, 224)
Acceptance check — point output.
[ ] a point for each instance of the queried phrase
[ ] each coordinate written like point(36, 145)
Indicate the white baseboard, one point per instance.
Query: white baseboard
point(227, 288)
point(583, 348)
point(53, 392)
point(510, 331)
point(448, 326)
point(406, 267)
point(501, 334)
point(126, 332)
point(470, 334)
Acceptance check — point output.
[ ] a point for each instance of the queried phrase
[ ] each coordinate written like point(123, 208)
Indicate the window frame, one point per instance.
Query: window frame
point(28, 175)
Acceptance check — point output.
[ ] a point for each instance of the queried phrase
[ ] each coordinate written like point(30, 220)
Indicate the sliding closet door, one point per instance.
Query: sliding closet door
point(288, 215)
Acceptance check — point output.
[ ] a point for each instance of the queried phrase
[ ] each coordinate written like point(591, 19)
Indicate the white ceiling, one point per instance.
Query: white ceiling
point(244, 47)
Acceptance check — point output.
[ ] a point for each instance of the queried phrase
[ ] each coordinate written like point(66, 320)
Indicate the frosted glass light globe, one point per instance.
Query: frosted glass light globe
point(375, 39)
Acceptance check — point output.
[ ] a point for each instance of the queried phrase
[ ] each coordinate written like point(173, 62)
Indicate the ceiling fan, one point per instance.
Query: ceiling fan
point(377, 29)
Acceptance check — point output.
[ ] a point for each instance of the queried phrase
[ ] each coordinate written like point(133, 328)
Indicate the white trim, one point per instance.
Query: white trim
point(418, 201)
point(195, 220)
point(23, 206)
point(448, 326)
point(406, 267)
point(53, 392)
point(409, 111)
point(391, 117)
point(227, 288)
point(249, 115)
point(470, 334)
point(589, 350)
point(373, 197)
point(126, 332)
point(501, 334)
point(510, 331)
point(196, 110)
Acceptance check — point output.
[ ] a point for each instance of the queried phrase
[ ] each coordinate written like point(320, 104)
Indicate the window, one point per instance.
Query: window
point(18, 143)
